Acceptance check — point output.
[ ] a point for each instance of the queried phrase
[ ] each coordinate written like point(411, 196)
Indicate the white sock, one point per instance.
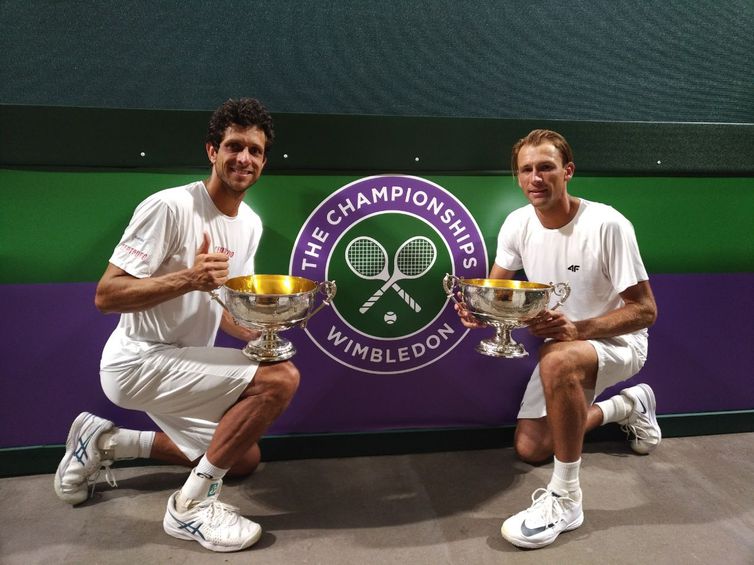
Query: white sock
point(122, 443)
point(146, 441)
point(198, 487)
point(207, 469)
point(565, 479)
point(615, 409)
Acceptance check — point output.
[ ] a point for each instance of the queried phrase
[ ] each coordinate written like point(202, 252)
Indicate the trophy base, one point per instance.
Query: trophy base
point(266, 351)
point(495, 348)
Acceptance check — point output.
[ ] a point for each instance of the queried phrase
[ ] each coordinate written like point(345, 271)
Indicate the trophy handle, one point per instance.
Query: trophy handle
point(219, 300)
point(213, 294)
point(328, 288)
point(563, 290)
point(449, 283)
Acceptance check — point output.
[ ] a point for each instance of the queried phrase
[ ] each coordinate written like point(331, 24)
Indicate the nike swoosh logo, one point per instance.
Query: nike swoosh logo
point(643, 408)
point(528, 532)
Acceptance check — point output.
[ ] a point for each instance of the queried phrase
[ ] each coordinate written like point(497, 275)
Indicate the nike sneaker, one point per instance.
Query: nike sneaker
point(211, 523)
point(641, 424)
point(541, 523)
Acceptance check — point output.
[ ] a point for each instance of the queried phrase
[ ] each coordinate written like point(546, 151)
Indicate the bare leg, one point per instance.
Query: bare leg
point(567, 368)
point(259, 405)
point(166, 451)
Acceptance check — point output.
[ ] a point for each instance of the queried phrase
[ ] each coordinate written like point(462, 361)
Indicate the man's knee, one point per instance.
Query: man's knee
point(278, 382)
point(247, 464)
point(567, 365)
point(287, 380)
point(560, 369)
point(532, 442)
point(531, 452)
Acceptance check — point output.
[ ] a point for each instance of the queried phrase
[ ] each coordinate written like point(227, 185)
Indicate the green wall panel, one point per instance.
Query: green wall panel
point(61, 226)
point(694, 225)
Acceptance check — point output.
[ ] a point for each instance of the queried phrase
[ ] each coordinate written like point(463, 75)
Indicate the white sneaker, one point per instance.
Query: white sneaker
point(82, 461)
point(541, 523)
point(641, 423)
point(216, 526)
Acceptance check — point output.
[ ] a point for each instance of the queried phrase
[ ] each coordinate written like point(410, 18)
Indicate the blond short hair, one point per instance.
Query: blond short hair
point(538, 137)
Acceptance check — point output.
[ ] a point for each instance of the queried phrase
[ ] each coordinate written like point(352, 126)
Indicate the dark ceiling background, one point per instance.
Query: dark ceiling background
point(653, 60)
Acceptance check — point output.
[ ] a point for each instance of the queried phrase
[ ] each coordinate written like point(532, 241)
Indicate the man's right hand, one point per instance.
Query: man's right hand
point(467, 318)
point(210, 270)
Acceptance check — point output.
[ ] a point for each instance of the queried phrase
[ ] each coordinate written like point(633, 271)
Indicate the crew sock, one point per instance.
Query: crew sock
point(615, 409)
point(203, 481)
point(565, 479)
point(122, 443)
point(209, 470)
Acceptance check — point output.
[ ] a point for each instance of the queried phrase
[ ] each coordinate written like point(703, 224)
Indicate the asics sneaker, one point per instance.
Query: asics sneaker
point(82, 462)
point(641, 424)
point(215, 525)
point(541, 523)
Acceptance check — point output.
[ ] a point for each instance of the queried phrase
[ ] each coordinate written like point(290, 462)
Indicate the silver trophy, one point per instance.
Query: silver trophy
point(271, 304)
point(505, 305)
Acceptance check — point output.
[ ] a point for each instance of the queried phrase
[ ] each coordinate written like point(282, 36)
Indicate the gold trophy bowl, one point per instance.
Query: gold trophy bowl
point(271, 304)
point(505, 305)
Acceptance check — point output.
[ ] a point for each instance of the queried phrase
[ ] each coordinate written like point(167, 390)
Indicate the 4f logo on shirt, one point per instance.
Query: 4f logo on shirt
point(388, 241)
point(573, 268)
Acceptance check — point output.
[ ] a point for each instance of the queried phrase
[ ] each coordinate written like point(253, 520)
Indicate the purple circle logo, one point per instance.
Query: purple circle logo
point(387, 242)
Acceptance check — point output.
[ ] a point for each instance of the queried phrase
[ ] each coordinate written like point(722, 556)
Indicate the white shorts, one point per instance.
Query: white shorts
point(618, 359)
point(185, 390)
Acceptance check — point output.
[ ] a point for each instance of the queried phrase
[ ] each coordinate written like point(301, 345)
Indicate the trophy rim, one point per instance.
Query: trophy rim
point(504, 283)
point(299, 285)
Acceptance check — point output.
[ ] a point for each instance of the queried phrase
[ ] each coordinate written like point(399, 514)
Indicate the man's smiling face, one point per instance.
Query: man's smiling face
point(542, 175)
point(239, 160)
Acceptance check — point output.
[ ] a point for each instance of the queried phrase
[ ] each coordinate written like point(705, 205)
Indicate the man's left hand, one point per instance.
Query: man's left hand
point(553, 324)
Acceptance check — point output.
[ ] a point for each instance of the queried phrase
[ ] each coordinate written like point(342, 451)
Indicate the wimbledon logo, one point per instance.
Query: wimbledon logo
point(387, 242)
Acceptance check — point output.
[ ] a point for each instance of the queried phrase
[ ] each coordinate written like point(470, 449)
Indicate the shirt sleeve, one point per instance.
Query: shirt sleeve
point(508, 255)
point(147, 239)
point(624, 265)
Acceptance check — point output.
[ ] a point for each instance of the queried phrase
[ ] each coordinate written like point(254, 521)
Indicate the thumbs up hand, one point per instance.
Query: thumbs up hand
point(210, 270)
point(204, 247)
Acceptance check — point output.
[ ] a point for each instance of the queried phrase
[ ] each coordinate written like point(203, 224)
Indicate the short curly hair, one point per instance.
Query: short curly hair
point(244, 112)
point(538, 137)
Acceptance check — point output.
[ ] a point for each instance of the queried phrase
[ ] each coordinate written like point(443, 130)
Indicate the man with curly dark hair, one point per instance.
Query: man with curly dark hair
point(211, 404)
point(246, 112)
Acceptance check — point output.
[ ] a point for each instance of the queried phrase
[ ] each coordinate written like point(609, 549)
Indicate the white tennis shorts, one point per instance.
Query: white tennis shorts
point(185, 390)
point(619, 358)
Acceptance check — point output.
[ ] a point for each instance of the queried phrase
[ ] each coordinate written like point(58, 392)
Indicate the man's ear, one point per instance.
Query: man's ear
point(570, 170)
point(211, 152)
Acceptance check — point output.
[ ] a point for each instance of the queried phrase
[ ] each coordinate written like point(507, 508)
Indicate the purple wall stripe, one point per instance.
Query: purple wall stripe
point(700, 360)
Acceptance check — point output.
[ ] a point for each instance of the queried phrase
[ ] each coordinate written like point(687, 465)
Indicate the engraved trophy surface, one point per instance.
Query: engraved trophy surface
point(505, 305)
point(271, 304)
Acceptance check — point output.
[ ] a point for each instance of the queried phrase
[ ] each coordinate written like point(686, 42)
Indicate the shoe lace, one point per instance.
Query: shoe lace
point(549, 504)
point(109, 477)
point(633, 430)
point(219, 512)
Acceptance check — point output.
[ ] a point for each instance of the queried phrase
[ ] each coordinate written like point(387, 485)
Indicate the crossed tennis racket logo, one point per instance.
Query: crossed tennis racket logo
point(367, 258)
